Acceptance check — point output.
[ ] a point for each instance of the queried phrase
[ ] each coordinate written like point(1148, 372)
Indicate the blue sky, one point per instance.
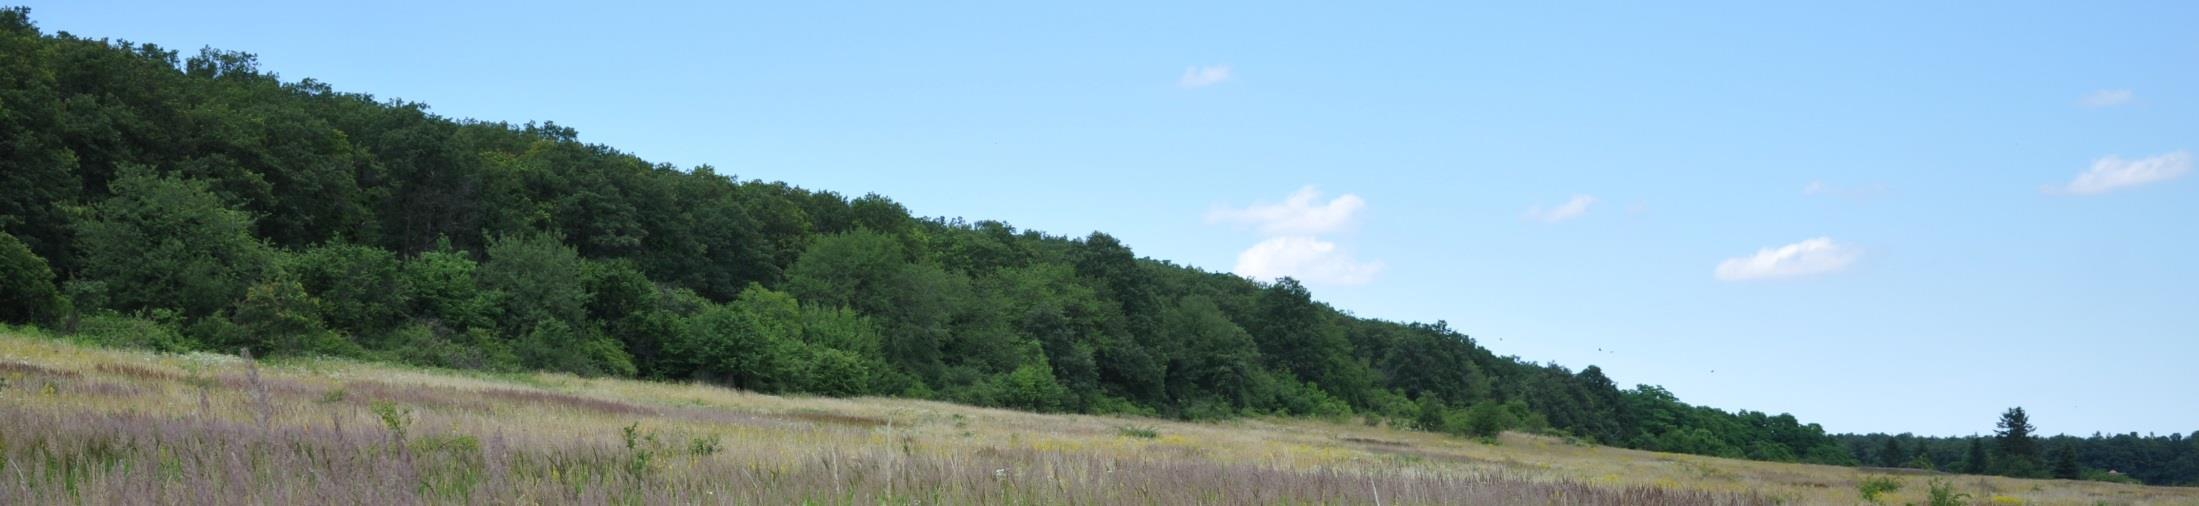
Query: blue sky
point(1895, 217)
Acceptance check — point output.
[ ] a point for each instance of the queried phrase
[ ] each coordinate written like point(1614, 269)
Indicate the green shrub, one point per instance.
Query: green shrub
point(27, 293)
point(1137, 432)
point(1943, 493)
point(704, 445)
point(397, 419)
point(158, 330)
point(1873, 487)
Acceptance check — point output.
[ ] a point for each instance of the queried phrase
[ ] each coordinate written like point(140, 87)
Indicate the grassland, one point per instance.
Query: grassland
point(82, 425)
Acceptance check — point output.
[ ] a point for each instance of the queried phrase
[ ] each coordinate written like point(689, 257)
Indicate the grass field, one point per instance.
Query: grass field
point(83, 425)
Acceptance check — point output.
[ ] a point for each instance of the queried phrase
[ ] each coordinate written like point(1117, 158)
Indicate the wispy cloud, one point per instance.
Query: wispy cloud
point(2110, 173)
point(2105, 98)
point(1201, 77)
point(1569, 210)
point(1814, 256)
point(1300, 214)
point(1304, 258)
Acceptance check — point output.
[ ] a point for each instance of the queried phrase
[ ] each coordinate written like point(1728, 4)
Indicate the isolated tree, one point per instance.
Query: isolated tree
point(2018, 449)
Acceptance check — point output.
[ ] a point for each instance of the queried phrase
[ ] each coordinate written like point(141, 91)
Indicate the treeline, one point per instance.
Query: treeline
point(2015, 449)
point(203, 204)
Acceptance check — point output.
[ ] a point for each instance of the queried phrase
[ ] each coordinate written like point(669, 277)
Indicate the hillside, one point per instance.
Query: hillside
point(203, 204)
point(105, 426)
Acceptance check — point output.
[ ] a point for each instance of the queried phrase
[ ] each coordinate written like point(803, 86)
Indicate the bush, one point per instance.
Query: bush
point(2098, 475)
point(1943, 493)
point(1487, 419)
point(158, 331)
point(432, 345)
point(1031, 387)
point(1873, 487)
point(27, 293)
point(351, 286)
point(276, 317)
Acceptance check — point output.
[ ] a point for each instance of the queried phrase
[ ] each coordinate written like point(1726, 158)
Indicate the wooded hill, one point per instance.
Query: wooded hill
point(202, 203)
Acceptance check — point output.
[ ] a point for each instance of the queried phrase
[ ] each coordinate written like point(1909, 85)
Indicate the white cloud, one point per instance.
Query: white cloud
point(1570, 209)
point(1305, 258)
point(1814, 256)
point(1300, 214)
point(2111, 173)
point(2105, 98)
point(1201, 77)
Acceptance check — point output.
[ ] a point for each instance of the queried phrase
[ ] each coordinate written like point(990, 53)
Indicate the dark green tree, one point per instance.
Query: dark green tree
point(27, 293)
point(353, 285)
point(37, 171)
point(2017, 451)
point(1978, 461)
point(1892, 455)
point(278, 318)
point(163, 242)
point(2065, 462)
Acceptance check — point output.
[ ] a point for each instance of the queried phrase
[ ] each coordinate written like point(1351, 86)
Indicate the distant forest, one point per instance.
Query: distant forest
point(201, 203)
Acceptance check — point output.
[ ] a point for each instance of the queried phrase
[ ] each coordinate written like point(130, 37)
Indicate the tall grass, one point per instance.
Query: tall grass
point(90, 426)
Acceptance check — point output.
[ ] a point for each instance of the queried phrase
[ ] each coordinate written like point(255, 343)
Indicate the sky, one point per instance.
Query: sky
point(1877, 216)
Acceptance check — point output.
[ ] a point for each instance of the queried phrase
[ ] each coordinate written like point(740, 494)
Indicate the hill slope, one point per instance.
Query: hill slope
point(203, 204)
point(107, 426)
point(194, 204)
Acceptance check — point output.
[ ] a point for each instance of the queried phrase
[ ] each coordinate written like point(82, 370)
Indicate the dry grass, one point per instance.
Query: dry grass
point(85, 425)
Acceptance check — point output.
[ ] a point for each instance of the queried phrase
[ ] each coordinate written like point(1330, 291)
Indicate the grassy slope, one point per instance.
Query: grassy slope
point(110, 426)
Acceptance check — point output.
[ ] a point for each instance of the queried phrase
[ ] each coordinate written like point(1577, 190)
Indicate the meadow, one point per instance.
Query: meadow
point(88, 425)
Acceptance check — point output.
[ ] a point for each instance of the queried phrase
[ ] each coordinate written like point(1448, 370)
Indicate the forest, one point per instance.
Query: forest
point(175, 203)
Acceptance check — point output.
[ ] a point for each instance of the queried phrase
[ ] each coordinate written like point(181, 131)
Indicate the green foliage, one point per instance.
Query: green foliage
point(537, 278)
point(1030, 387)
point(159, 330)
point(2110, 477)
point(441, 287)
point(1977, 461)
point(352, 286)
point(277, 318)
point(1873, 487)
point(431, 344)
point(558, 346)
point(704, 446)
point(2065, 463)
point(2017, 451)
point(396, 419)
point(27, 293)
point(1942, 493)
point(1487, 419)
point(167, 243)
